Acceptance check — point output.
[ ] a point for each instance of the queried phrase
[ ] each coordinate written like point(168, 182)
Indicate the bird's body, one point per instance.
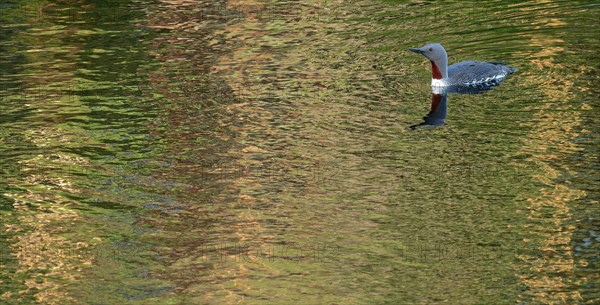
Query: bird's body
point(477, 72)
point(462, 76)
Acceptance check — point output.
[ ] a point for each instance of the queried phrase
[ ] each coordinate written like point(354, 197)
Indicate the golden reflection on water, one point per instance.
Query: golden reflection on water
point(550, 262)
point(284, 124)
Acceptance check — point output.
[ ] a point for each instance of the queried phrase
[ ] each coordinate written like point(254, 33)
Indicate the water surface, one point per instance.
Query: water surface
point(259, 152)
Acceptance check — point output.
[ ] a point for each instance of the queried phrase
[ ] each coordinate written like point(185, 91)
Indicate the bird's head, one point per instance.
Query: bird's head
point(433, 51)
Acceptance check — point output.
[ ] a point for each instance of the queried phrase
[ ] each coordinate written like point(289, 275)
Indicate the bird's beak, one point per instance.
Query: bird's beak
point(416, 50)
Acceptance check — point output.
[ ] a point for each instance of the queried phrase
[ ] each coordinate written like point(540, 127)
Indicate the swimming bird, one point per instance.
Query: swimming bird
point(463, 77)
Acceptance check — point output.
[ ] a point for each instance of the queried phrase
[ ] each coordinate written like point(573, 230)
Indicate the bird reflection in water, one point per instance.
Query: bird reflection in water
point(439, 103)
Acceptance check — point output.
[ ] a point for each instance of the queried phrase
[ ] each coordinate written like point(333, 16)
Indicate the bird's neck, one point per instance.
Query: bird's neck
point(439, 69)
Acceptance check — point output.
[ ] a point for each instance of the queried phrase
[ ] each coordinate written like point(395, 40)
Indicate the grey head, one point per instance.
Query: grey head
point(433, 51)
point(438, 57)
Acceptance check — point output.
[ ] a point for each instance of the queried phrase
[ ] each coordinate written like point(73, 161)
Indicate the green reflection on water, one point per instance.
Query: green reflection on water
point(259, 152)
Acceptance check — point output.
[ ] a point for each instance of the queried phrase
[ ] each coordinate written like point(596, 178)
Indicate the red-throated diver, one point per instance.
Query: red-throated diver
point(463, 74)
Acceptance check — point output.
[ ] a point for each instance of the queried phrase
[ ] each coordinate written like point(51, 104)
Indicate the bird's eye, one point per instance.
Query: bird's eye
point(430, 49)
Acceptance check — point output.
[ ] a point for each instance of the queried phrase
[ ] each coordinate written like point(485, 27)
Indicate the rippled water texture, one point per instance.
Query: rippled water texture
point(259, 152)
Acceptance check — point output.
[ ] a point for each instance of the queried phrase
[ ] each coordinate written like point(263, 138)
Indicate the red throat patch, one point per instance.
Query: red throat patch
point(435, 71)
point(436, 99)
